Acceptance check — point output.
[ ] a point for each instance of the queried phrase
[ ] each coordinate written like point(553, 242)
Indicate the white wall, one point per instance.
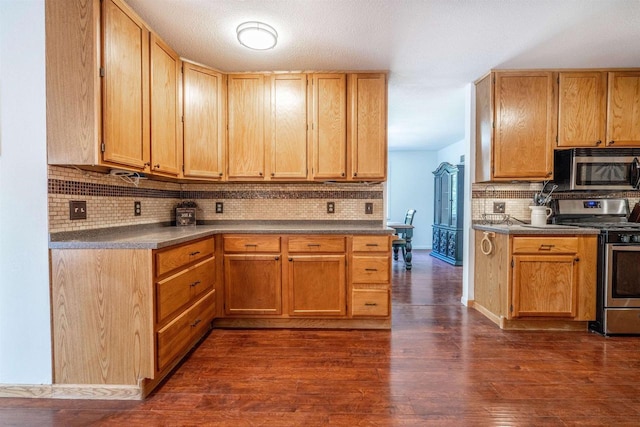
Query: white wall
point(25, 341)
point(452, 153)
point(410, 186)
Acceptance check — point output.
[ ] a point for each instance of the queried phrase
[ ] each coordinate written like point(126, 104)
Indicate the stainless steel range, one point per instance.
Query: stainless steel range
point(618, 286)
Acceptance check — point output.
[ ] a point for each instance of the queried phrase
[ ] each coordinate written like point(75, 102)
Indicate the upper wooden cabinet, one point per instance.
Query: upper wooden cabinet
point(516, 110)
point(329, 126)
point(94, 120)
point(248, 99)
point(599, 109)
point(288, 142)
point(368, 126)
point(582, 109)
point(203, 122)
point(623, 109)
point(166, 135)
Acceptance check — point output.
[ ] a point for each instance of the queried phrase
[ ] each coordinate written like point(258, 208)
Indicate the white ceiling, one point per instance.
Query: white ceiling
point(432, 48)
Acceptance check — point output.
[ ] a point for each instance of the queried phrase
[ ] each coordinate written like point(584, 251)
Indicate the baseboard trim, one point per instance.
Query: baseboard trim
point(72, 391)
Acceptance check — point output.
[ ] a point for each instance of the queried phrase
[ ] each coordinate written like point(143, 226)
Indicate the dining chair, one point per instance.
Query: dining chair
point(400, 242)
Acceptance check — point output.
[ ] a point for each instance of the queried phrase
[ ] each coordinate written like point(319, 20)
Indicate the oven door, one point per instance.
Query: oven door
point(604, 173)
point(622, 287)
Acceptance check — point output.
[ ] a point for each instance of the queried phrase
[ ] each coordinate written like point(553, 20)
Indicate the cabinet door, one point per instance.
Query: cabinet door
point(368, 121)
point(581, 109)
point(525, 125)
point(203, 122)
point(246, 123)
point(544, 285)
point(166, 141)
point(623, 115)
point(288, 124)
point(125, 87)
point(317, 285)
point(253, 284)
point(329, 127)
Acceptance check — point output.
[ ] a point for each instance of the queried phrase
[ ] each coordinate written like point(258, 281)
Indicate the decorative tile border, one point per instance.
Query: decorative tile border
point(77, 188)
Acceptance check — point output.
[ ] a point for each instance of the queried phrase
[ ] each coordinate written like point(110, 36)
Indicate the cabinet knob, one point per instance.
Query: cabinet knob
point(598, 142)
point(577, 259)
point(194, 324)
point(611, 142)
point(260, 173)
point(220, 174)
point(146, 164)
point(355, 174)
point(277, 258)
point(290, 259)
point(342, 174)
point(273, 174)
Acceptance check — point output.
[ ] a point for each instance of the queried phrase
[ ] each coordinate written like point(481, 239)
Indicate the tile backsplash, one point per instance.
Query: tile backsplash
point(110, 200)
point(519, 196)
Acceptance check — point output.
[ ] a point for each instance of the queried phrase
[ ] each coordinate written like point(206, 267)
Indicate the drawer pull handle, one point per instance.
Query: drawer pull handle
point(194, 324)
point(313, 245)
point(250, 245)
point(370, 269)
point(194, 284)
point(372, 244)
point(373, 304)
point(546, 247)
point(194, 253)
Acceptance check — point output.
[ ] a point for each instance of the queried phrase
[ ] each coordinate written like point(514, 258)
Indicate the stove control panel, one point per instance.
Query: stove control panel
point(628, 238)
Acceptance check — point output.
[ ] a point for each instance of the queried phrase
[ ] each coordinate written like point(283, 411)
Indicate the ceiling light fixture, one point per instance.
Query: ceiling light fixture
point(257, 35)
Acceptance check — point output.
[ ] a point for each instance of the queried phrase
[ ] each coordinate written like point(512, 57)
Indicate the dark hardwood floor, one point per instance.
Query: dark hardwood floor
point(441, 364)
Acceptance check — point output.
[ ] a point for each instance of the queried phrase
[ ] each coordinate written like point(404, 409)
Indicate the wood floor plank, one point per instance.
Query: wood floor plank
point(441, 364)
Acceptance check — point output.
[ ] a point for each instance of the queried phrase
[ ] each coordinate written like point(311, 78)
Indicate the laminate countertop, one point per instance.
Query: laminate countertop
point(527, 229)
point(157, 236)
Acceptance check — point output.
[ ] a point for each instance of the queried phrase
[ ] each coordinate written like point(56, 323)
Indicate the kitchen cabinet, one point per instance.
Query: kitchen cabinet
point(448, 208)
point(516, 124)
point(535, 282)
point(248, 101)
point(166, 135)
point(253, 275)
point(623, 108)
point(316, 276)
point(184, 298)
point(97, 85)
point(288, 122)
point(599, 109)
point(367, 94)
point(371, 276)
point(204, 122)
point(306, 280)
point(582, 109)
point(123, 318)
point(545, 276)
point(329, 126)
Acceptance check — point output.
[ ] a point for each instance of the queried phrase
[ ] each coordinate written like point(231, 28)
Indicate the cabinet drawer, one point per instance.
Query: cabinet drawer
point(178, 291)
point(316, 244)
point(371, 243)
point(554, 245)
point(371, 269)
point(179, 335)
point(370, 302)
point(173, 258)
point(251, 244)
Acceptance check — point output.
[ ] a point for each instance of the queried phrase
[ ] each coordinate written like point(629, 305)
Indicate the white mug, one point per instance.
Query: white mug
point(539, 215)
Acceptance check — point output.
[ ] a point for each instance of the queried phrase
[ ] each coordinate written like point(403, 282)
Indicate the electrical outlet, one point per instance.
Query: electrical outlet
point(219, 207)
point(331, 207)
point(77, 209)
point(368, 208)
point(137, 208)
point(498, 207)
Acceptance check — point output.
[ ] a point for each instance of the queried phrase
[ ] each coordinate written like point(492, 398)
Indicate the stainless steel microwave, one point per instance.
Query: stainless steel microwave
point(597, 169)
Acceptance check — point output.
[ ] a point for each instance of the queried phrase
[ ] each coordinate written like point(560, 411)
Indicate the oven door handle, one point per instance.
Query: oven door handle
point(635, 173)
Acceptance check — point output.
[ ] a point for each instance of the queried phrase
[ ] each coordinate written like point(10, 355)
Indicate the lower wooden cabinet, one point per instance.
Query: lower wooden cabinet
point(306, 281)
point(371, 276)
point(123, 318)
point(535, 282)
point(252, 284)
point(180, 334)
